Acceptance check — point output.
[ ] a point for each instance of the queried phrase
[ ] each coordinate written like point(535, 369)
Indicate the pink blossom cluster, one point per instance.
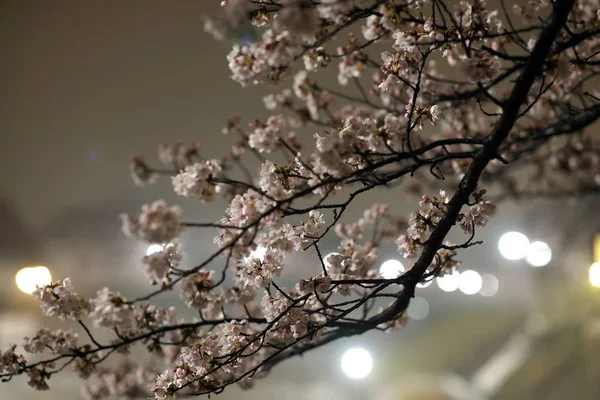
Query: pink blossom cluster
point(12, 363)
point(195, 288)
point(158, 264)
point(421, 222)
point(9, 361)
point(263, 61)
point(200, 363)
point(274, 101)
point(110, 310)
point(275, 182)
point(57, 342)
point(384, 225)
point(266, 136)
point(157, 223)
point(352, 261)
point(282, 237)
point(178, 154)
point(289, 320)
point(60, 299)
point(353, 62)
point(195, 181)
point(477, 216)
point(315, 59)
point(257, 272)
point(306, 90)
point(320, 284)
point(141, 174)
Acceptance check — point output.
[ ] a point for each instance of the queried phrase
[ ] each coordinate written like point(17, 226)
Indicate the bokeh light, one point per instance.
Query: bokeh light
point(449, 283)
point(489, 285)
point(470, 282)
point(539, 254)
point(391, 269)
point(418, 309)
point(29, 278)
point(259, 252)
point(153, 248)
point(595, 274)
point(513, 246)
point(357, 363)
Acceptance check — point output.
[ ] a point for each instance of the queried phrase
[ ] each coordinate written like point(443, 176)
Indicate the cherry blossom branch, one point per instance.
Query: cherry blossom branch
point(379, 141)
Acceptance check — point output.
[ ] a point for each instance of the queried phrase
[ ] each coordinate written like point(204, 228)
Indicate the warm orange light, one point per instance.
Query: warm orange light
point(29, 278)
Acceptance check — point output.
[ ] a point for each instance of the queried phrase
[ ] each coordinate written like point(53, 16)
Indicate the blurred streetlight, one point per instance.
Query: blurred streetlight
point(449, 283)
point(357, 363)
point(595, 274)
point(539, 254)
point(28, 279)
point(155, 248)
point(489, 286)
point(418, 309)
point(470, 282)
point(259, 252)
point(391, 269)
point(513, 246)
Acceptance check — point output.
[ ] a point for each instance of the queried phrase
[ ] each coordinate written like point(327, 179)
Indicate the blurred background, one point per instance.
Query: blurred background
point(85, 85)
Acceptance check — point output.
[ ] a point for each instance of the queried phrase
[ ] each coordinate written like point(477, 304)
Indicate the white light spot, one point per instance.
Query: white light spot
point(155, 248)
point(470, 282)
point(539, 254)
point(449, 283)
point(490, 285)
point(595, 274)
point(29, 278)
point(418, 309)
point(513, 246)
point(259, 252)
point(391, 269)
point(357, 363)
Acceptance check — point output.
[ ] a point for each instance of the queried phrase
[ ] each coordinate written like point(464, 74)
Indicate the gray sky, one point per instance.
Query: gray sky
point(86, 84)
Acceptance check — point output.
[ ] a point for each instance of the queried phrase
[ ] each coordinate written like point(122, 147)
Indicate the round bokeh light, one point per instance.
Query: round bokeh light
point(539, 254)
point(489, 286)
point(513, 246)
point(28, 279)
point(357, 363)
point(449, 283)
point(391, 269)
point(470, 282)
